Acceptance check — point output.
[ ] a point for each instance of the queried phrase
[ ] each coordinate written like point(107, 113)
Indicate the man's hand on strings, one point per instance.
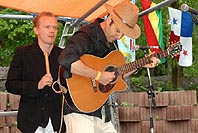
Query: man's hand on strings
point(154, 62)
point(106, 77)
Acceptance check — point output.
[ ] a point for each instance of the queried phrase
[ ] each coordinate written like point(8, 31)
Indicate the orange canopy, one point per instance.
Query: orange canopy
point(65, 8)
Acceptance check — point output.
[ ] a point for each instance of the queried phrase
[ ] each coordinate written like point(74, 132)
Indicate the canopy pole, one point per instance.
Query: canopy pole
point(24, 17)
point(156, 7)
point(89, 12)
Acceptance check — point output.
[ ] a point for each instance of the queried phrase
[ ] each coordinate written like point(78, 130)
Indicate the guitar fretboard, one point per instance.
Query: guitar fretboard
point(140, 62)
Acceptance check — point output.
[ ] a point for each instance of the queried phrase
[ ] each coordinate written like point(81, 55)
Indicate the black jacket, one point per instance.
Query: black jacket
point(36, 106)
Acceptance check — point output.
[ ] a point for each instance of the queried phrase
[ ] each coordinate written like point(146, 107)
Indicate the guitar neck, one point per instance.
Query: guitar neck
point(140, 62)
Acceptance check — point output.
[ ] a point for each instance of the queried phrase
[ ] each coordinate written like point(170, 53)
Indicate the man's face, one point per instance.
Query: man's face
point(46, 30)
point(112, 32)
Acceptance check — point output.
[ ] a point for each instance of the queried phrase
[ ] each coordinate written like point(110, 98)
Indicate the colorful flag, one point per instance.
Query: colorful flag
point(126, 46)
point(181, 30)
point(153, 27)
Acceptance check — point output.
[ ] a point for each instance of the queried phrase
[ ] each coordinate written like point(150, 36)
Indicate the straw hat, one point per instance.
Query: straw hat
point(125, 16)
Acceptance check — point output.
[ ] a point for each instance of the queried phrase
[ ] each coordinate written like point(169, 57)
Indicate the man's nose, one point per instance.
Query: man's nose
point(53, 29)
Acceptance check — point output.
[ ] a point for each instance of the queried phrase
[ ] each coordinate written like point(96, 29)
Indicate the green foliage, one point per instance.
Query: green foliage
point(5, 55)
point(164, 86)
point(13, 33)
point(126, 104)
point(139, 83)
point(193, 86)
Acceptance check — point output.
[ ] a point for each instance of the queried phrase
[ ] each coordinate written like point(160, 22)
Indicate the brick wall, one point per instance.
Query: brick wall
point(8, 102)
point(175, 112)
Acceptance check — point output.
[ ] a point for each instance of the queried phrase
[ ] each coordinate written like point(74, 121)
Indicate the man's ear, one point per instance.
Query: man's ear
point(109, 20)
point(35, 30)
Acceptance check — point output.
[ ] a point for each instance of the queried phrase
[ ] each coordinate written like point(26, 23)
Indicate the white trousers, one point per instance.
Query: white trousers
point(47, 129)
point(80, 123)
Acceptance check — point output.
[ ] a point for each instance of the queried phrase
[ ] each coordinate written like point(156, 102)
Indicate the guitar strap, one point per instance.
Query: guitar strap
point(62, 90)
point(57, 83)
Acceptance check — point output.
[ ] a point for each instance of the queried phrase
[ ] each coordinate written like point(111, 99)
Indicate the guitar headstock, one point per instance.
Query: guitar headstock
point(174, 49)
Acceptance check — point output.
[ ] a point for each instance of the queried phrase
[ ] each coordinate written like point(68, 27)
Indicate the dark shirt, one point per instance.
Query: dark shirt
point(88, 40)
point(36, 106)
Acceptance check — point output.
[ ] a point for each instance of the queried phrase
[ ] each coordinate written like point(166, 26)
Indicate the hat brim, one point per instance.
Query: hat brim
point(128, 31)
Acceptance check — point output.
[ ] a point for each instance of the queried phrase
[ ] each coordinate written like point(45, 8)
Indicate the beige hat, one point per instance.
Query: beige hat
point(125, 16)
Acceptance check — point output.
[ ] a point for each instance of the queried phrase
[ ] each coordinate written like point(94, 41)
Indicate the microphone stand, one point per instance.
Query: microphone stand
point(151, 97)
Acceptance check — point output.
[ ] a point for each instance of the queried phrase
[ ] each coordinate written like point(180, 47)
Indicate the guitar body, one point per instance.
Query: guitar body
point(87, 95)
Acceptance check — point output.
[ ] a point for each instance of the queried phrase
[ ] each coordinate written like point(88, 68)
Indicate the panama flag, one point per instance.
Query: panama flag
point(153, 27)
point(181, 30)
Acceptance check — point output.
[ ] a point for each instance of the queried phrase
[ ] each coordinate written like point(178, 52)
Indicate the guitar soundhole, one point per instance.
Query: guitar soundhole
point(108, 87)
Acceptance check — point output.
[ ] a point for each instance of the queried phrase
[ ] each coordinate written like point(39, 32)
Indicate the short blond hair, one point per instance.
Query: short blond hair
point(37, 18)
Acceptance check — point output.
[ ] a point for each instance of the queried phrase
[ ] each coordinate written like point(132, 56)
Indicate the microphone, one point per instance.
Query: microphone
point(137, 47)
point(186, 8)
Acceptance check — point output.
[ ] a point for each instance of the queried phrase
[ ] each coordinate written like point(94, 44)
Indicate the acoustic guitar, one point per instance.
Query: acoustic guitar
point(87, 95)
